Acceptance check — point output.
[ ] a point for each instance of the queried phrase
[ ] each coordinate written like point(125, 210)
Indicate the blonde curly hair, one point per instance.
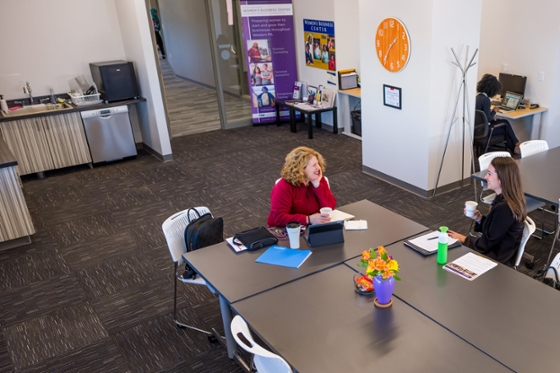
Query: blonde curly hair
point(296, 161)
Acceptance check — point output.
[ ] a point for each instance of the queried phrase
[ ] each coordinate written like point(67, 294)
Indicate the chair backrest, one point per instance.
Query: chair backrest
point(480, 125)
point(528, 230)
point(174, 231)
point(265, 361)
point(485, 159)
point(531, 147)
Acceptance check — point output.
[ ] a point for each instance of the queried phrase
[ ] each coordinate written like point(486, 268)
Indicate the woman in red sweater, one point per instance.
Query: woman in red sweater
point(302, 190)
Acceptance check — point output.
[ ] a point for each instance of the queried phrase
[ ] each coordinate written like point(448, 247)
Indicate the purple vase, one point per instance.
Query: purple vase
point(384, 289)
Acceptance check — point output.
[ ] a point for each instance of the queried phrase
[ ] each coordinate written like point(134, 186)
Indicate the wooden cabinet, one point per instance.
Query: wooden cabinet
point(27, 140)
point(47, 143)
point(67, 139)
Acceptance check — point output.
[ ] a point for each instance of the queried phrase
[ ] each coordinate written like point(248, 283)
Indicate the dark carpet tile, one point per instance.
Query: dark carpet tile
point(84, 229)
point(158, 345)
point(87, 253)
point(32, 341)
point(68, 213)
point(167, 172)
point(142, 215)
point(133, 306)
point(194, 295)
point(41, 242)
point(101, 357)
point(39, 298)
point(5, 360)
point(212, 361)
point(116, 274)
point(159, 258)
point(149, 234)
point(123, 199)
point(54, 197)
point(31, 268)
point(105, 184)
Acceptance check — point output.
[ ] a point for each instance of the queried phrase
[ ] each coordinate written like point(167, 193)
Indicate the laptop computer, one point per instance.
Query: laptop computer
point(510, 102)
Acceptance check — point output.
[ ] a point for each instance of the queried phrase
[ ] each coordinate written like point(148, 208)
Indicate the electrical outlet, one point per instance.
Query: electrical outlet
point(505, 67)
point(541, 76)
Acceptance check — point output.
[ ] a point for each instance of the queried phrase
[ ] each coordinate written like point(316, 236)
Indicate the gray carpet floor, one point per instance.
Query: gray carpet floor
point(94, 291)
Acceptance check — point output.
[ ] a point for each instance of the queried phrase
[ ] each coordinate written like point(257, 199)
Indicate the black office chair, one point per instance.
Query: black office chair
point(483, 139)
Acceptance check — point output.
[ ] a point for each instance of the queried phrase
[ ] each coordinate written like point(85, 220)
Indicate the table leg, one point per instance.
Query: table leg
point(226, 319)
point(309, 125)
point(536, 126)
point(318, 122)
point(292, 120)
point(335, 120)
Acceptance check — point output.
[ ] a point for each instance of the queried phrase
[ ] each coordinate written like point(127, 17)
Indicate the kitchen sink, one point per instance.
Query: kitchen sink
point(36, 109)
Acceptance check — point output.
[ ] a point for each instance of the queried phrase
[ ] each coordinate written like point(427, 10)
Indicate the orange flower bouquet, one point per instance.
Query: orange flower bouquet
point(379, 263)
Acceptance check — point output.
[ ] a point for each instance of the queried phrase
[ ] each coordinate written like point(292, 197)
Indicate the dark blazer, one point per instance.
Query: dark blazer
point(501, 234)
point(483, 103)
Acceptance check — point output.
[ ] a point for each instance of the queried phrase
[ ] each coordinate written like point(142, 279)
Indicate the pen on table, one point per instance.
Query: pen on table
point(432, 238)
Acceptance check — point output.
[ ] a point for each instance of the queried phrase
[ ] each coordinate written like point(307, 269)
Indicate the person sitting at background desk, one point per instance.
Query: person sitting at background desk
point(503, 227)
point(488, 87)
point(302, 190)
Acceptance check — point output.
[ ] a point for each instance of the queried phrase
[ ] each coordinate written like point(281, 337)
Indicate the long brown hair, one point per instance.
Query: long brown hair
point(296, 161)
point(512, 190)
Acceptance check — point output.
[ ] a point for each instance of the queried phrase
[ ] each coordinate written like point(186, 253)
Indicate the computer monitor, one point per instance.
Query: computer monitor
point(512, 83)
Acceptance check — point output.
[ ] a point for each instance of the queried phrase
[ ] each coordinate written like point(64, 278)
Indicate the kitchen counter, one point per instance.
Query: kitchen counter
point(7, 158)
point(74, 109)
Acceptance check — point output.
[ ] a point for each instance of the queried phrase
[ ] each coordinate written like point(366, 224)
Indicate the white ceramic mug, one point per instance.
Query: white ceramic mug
point(293, 230)
point(470, 208)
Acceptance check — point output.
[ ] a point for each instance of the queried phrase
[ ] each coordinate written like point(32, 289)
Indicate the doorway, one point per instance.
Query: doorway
point(204, 76)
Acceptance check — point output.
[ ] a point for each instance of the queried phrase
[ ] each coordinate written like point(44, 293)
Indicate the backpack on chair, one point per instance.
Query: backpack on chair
point(205, 230)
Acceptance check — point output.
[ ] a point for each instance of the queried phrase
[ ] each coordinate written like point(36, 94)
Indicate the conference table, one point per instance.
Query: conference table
point(237, 276)
point(539, 175)
point(320, 324)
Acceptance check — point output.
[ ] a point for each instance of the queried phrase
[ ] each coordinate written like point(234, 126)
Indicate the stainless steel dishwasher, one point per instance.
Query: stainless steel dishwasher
point(109, 134)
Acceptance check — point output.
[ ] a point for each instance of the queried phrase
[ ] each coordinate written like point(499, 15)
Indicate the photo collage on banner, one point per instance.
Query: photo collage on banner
point(319, 43)
point(271, 58)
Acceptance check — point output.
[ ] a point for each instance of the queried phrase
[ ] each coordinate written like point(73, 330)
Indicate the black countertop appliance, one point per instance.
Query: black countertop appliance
point(115, 80)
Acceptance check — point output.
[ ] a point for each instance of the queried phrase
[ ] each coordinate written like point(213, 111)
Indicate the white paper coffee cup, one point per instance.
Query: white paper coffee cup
point(326, 210)
point(470, 208)
point(293, 230)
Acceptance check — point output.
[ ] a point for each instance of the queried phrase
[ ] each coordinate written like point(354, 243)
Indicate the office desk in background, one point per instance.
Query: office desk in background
point(504, 313)
point(347, 101)
point(320, 324)
point(536, 121)
point(539, 175)
point(306, 110)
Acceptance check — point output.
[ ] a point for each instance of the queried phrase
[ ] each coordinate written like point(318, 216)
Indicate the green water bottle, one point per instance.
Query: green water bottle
point(442, 246)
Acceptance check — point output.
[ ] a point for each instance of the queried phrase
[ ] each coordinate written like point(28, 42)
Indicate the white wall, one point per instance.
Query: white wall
point(138, 45)
point(50, 42)
point(185, 30)
point(525, 34)
point(407, 144)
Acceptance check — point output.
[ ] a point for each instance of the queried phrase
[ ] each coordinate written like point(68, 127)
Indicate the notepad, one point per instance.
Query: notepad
point(283, 256)
point(470, 266)
point(235, 247)
point(355, 225)
point(427, 244)
point(337, 215)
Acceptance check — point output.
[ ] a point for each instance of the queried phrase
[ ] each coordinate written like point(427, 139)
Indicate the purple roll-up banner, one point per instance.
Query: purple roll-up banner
point(268, 37)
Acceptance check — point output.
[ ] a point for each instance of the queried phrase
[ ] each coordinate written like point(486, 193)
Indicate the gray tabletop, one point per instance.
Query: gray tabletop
point(320, 324)
point(539, 175)
point(506, 314)
point(237, 276)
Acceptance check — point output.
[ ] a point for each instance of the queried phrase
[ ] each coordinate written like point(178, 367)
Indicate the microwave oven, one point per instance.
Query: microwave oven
point(115, 80)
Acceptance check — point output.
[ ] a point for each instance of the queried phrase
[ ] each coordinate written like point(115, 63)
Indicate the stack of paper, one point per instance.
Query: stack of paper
point(470, 266)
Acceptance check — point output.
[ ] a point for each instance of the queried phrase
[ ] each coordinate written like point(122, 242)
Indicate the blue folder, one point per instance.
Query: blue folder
point(283, 256)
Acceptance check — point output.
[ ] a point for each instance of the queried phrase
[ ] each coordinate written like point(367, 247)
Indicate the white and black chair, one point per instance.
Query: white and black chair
point(174, 231)
point(527, 232)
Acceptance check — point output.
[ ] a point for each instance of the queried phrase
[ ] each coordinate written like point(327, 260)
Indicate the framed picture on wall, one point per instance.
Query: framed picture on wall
point(392, 96)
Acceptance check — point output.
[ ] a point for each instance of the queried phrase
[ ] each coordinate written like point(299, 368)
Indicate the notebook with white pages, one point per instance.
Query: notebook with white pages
point(337, 215)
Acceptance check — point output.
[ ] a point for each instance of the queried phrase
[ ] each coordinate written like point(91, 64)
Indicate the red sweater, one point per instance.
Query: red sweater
point(294, 203)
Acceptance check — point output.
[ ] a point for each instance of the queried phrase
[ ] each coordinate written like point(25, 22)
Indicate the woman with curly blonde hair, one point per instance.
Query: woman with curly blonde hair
point(302, 190)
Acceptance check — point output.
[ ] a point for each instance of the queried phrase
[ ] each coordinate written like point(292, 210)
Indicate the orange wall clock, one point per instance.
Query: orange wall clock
point(392, 44)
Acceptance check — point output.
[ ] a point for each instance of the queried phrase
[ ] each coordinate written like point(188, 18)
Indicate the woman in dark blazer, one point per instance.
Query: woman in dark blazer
point(488, 87)
point(502, 228)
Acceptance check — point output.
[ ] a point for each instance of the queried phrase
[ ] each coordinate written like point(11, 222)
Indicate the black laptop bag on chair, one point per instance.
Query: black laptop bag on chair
point(203, 231)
